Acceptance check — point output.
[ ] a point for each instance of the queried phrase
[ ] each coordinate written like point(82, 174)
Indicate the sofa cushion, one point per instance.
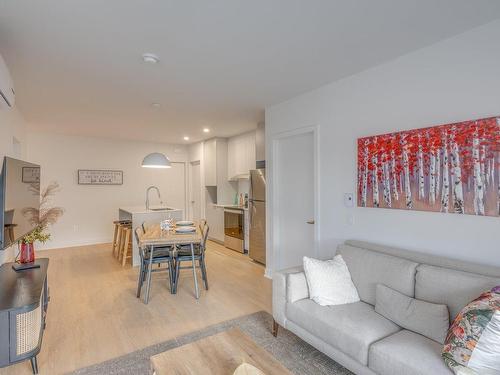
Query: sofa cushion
point(351, 328)
point(428, 319)
point(396, 273)
point(452, 288)
point(407, 353)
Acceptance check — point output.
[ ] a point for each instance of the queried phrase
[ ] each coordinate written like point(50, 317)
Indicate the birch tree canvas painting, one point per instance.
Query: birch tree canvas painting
point(452, 168)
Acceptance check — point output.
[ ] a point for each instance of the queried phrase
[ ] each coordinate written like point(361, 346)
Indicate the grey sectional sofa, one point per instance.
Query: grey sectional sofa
point(359, 338)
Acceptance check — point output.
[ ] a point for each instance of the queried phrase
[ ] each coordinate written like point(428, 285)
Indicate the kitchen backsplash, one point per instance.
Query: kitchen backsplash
point(244, 186)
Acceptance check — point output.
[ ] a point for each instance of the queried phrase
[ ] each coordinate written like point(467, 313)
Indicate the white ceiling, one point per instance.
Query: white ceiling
point(77, 63)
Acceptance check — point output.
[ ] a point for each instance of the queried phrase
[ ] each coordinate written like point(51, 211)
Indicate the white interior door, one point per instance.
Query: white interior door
point(295, 198)
point(195, 191)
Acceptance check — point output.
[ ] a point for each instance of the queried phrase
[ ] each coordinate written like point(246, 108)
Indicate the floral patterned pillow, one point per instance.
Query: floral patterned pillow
point(472, 345)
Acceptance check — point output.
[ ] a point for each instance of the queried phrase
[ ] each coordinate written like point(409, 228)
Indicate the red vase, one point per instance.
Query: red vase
point(27, 253)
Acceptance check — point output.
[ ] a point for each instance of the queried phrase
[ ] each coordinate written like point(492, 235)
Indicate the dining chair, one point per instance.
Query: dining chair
point(202, 225)
point(183, 254)
point(150, 256)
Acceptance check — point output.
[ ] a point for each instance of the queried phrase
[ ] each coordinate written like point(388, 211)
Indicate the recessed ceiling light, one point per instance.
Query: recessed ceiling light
point(186, 138)
point(155, 105)
point(206, 130)
point(150, 58)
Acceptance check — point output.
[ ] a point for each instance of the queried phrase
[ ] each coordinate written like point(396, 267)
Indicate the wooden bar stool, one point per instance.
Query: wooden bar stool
point(118, 235)
point(126, 251)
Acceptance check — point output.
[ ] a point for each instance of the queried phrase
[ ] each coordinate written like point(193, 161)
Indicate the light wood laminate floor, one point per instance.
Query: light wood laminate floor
point(94, 314)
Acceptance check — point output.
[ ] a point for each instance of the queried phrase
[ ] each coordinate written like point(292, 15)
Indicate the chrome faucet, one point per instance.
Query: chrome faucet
point(147, 195)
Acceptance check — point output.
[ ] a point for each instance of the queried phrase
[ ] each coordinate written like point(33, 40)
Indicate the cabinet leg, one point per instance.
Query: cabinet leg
point(275, 328)
point(34, 365)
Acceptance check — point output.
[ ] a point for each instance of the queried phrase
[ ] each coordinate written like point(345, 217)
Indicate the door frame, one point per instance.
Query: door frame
point(189, 210)
point(274, 221)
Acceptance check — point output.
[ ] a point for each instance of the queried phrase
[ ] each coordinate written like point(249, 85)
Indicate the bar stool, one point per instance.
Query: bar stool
point(122, 240)
point(118, 235)
point(126, 250)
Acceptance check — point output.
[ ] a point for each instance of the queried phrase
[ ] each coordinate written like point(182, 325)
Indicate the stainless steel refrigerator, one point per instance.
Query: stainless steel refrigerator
point(257, 207)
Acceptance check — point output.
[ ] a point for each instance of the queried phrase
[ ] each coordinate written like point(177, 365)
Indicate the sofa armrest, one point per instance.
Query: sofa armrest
point(280, 293)
point(296, 287)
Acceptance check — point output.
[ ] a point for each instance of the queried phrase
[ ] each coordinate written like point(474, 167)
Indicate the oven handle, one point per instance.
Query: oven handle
point(238, 212)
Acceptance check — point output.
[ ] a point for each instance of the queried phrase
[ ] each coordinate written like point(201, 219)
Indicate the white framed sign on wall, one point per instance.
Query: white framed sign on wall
point(100, 177)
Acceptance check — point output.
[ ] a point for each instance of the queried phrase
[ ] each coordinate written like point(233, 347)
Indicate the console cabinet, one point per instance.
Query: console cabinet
point(24, 298)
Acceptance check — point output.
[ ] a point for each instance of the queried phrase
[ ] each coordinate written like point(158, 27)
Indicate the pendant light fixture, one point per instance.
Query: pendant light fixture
point(156, 160)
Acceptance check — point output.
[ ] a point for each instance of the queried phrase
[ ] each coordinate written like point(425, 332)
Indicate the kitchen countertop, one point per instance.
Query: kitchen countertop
point(139, 215)
point(142, 209)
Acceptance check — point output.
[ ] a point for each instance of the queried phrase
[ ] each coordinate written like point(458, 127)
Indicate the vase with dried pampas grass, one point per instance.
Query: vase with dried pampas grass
point(41, 218)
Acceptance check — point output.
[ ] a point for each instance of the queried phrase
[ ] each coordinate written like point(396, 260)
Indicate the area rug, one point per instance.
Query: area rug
point(295, 354)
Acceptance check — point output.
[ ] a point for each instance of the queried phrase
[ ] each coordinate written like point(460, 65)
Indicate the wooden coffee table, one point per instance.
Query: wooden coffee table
point(219, 354)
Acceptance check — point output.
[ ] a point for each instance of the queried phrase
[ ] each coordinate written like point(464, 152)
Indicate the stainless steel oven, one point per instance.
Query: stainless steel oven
point(234, 234)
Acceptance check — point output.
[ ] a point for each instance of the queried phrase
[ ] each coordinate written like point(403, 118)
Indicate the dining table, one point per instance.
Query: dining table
point(155, 236)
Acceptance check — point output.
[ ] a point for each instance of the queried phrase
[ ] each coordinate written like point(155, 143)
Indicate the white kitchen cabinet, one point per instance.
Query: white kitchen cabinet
point(246, 229)
point(215, 219)
point(241, 156)
point(232, 153)
point(210, 162)
point(218, 189)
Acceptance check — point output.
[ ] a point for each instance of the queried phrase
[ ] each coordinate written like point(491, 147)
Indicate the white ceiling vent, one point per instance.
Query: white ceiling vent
point(7, 94)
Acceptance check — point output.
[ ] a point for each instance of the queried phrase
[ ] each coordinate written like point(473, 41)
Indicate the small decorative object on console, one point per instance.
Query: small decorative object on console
point(472, 345)
point(27, 248)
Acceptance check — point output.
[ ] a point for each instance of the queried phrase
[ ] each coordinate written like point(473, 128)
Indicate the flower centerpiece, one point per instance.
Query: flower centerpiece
point(41, 218)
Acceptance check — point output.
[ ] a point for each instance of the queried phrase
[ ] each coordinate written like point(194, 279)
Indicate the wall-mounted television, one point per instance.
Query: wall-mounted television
point(19, 195)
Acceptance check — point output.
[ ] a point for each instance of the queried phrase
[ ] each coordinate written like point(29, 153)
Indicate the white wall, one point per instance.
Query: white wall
point(12, 125)
point(457, 79)
point(90, 210)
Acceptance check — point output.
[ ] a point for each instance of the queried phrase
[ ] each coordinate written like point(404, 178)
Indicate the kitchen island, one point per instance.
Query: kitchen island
point(153, 215)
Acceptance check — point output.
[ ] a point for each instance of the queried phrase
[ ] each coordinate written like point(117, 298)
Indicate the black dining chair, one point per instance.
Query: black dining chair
point(183, 254)
point(148, 258)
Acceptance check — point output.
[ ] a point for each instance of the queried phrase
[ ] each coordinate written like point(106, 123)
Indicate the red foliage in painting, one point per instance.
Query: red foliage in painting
point(433, 167)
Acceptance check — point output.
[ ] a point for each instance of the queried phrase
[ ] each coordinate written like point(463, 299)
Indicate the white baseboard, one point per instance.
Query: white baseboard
point(216, 240)
point(268, 273)
point(72, 243)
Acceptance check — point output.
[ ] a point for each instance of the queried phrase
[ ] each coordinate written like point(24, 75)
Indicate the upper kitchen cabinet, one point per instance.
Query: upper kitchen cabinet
point(241, 156)
point(210, 162)
point(215, 161)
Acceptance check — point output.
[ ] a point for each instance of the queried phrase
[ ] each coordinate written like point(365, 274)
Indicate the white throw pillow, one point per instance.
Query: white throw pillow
point(330, 281)
point(247, 369)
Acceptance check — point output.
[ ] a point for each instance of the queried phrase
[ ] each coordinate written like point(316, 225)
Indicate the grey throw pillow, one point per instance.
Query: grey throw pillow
point(428, 319)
